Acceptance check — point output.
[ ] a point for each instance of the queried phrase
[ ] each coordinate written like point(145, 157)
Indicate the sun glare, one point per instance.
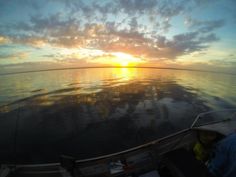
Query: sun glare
point(124, 60)
point(124, 63)
point(118, 59)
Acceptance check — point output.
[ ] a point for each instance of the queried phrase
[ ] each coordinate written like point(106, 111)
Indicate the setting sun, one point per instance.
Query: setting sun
point(124, 63)
point(123, 59)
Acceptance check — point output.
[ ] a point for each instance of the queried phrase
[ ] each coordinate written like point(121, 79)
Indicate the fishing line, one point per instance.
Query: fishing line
point(15, 135)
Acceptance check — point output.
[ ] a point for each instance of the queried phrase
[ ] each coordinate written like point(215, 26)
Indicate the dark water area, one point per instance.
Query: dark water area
point(91, 112)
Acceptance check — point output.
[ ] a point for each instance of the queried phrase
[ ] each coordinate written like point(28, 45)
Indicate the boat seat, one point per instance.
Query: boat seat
point(182, 163)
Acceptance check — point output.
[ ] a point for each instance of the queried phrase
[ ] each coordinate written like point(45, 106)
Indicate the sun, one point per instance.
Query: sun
point(124, 63)
point(114, 59)
point(124, 60)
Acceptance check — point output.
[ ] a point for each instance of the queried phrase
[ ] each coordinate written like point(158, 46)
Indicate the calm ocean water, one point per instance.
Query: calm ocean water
point(90, 112)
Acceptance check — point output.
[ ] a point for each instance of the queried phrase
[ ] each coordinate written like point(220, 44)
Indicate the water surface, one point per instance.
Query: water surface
point(90, 112)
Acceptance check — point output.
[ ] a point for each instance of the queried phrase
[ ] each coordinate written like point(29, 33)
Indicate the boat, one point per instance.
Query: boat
point(170, 156)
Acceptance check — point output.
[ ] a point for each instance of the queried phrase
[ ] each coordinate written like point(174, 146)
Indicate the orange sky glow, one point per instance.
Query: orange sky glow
point(174, 34)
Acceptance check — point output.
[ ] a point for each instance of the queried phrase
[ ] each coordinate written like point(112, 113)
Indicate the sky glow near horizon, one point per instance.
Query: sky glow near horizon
point(191, 34)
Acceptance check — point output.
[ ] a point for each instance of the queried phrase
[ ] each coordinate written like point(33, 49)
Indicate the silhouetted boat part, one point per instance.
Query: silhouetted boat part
point(166, 157)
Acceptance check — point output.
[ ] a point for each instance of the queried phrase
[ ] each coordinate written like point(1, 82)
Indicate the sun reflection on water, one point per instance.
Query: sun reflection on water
point(125, 74)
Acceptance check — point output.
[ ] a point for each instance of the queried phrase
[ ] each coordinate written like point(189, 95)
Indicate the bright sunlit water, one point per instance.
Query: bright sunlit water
point(91, 112)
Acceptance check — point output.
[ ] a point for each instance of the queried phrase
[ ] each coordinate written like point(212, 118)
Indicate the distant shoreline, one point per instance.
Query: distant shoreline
point(97, 67)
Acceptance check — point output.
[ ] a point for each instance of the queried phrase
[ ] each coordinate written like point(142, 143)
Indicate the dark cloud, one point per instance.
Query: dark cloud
point(209, 26)
point(165, 8)
point(107, 8)
point(135, 6)
point(205, 26)
point(209, 38)
point(185, 37)
point(165, 26)
point(133, 23)
point(54, 25)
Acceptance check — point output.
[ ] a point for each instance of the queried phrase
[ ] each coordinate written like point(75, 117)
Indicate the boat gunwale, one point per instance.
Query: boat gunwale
point(103, 157)
point(193, 127)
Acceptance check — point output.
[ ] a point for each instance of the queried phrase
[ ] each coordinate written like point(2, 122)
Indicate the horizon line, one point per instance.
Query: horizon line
point(94, 67)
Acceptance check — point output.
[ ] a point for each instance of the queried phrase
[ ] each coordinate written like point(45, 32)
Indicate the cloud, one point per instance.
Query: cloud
point(70, 30)
point(33, 41)
point(51, 23)
point(4, 40)
point(209, 38)
point(14, 56)
point(164, 9)
point(30, 40)
point(204, 26)
point(160, 47)
point(155, 10)
point(110, 38)
point(134, 6)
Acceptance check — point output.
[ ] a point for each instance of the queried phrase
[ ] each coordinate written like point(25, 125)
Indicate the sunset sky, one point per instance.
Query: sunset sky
point(191, 34)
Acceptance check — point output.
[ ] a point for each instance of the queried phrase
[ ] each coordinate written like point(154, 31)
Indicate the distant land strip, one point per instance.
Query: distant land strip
point(97, 67)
